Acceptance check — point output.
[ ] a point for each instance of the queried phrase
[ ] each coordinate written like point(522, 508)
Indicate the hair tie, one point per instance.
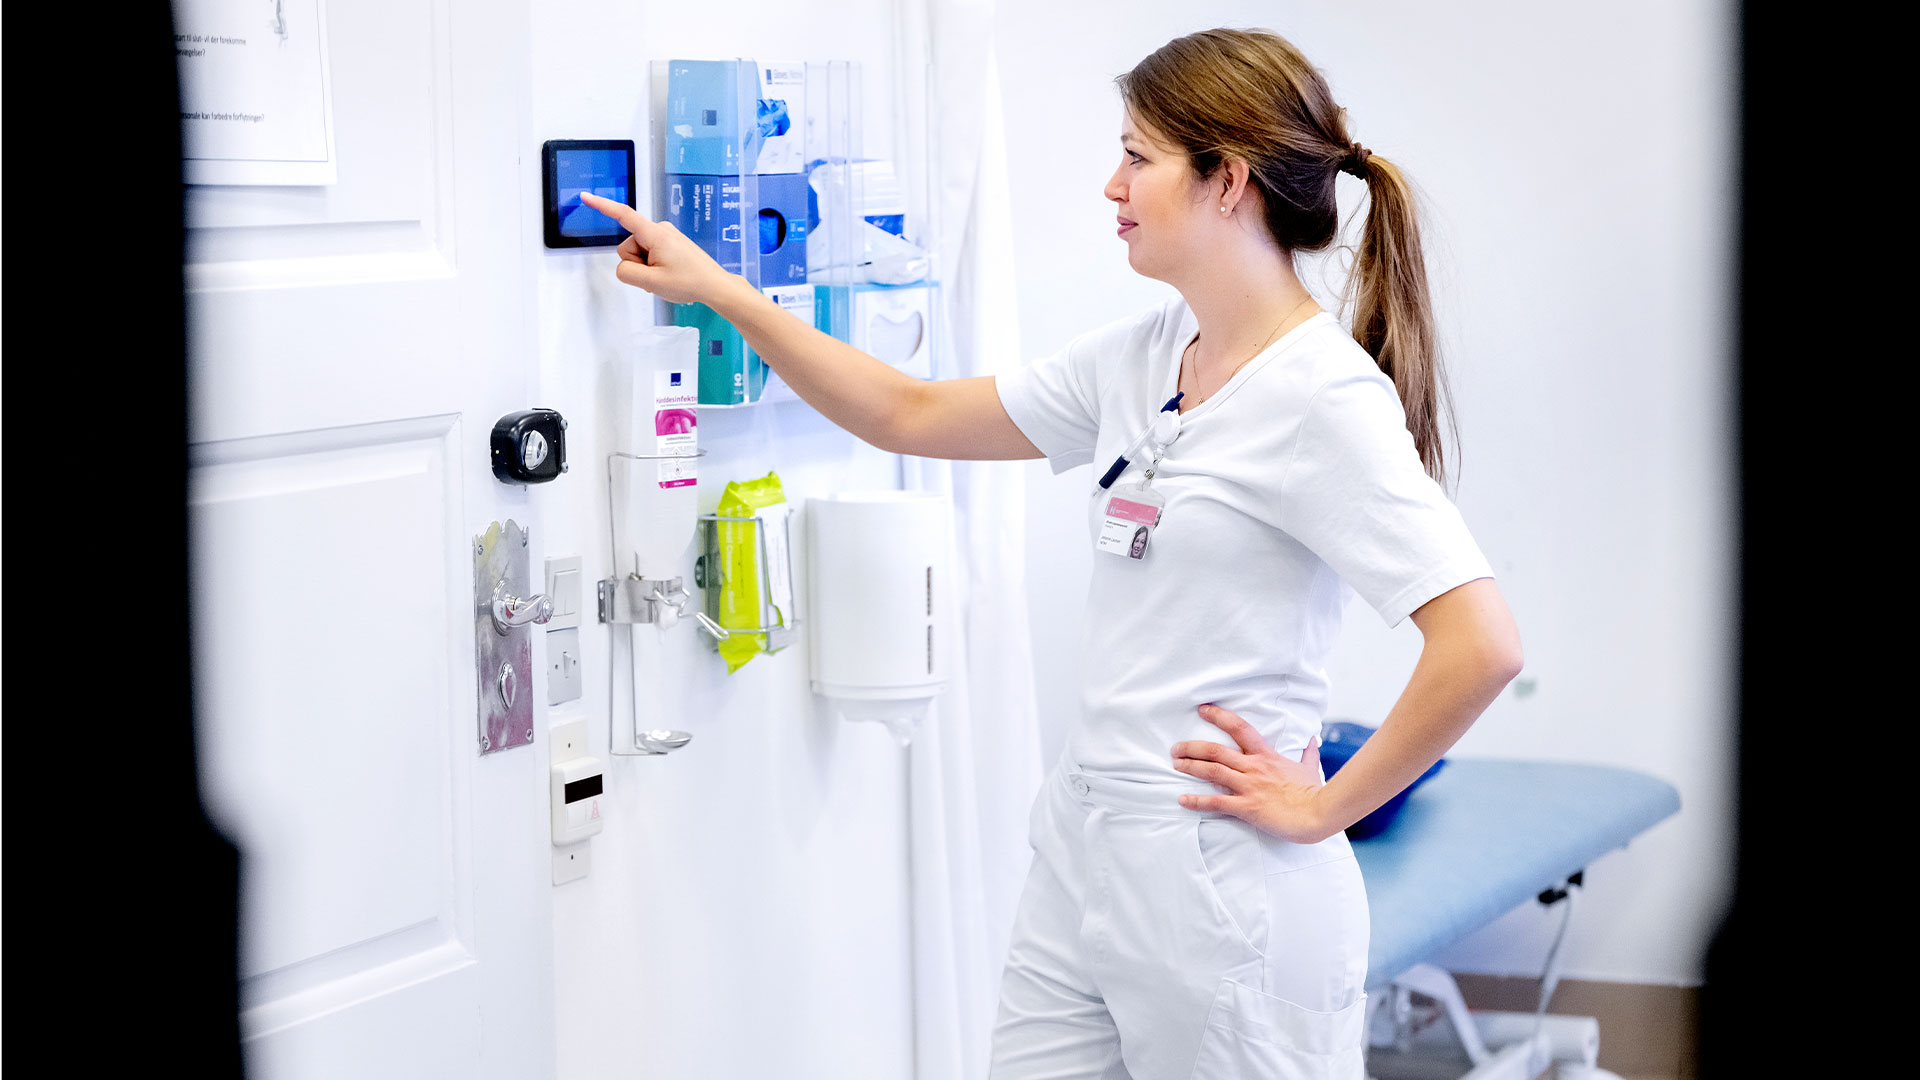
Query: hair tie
point(1355, 163)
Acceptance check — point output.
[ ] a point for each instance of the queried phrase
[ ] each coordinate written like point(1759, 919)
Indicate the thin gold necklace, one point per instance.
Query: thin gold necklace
point(1241, 364)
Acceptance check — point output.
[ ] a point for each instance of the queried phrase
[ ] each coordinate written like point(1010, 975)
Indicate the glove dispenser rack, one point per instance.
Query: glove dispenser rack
point(765, 165)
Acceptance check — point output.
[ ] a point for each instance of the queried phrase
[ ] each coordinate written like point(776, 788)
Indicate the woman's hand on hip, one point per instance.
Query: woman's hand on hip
point(658, 258)
point(1267, 789)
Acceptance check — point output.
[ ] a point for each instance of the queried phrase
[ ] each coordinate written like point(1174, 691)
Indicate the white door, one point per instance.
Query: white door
point(350, 348)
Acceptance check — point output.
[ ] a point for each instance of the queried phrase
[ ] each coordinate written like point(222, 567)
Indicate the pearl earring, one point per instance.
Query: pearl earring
point(1223, 209)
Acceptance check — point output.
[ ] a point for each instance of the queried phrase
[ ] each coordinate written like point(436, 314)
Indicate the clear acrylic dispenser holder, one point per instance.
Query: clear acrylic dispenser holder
point(779, 615)
point(851, 285)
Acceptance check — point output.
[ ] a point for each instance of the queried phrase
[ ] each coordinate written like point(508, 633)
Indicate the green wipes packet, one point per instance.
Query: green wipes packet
point(739, 544)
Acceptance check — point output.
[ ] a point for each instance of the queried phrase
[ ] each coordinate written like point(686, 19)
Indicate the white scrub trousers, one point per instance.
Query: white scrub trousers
point(1154, 942)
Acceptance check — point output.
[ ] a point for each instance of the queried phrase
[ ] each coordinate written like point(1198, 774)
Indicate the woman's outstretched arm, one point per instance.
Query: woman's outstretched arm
point(953, 418)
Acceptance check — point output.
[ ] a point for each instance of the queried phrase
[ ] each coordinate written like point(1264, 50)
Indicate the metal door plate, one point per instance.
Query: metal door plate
point(503, 663)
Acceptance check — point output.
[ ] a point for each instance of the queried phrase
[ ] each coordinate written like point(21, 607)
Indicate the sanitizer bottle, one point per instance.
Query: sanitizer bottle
point(655, 491)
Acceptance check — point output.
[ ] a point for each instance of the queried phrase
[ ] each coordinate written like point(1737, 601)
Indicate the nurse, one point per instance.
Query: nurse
point(1193, 908)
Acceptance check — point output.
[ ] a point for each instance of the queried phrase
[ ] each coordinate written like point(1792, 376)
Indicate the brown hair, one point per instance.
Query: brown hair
point(1249, 94)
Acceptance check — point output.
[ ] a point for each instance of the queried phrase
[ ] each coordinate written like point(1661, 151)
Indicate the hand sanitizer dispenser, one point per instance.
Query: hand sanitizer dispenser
point(655, 475)
point(653, 492)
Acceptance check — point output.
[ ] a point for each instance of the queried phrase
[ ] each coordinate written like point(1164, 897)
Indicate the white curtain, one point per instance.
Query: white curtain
point(975, 762)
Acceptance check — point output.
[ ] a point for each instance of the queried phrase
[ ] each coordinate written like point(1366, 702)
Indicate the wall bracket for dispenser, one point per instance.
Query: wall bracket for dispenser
point(778, 616)
point(635, 599)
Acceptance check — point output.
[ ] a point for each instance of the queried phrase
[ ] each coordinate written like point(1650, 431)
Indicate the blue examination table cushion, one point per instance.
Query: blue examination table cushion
point(1482, 837)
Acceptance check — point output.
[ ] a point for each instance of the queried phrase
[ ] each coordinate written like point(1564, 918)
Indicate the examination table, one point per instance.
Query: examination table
point(1476, 839)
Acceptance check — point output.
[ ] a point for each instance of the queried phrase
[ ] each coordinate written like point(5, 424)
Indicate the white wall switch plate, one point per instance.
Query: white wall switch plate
point(564, 682)
point(572, 862)
point(567, 741)
point(563, 584)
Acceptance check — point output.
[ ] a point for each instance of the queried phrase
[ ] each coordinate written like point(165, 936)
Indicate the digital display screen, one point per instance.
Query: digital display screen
point(602, 172)
point(583, 789)
point(571, 166)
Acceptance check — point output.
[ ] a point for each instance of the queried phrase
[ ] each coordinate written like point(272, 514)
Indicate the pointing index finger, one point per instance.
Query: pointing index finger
point(629, 218)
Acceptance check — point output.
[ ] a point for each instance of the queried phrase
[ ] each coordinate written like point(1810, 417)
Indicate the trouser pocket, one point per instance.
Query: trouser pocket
point(1254, 1034)
point(1229, 874)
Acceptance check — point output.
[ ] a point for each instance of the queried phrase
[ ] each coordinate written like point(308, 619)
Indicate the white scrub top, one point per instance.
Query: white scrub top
point(1293, 486)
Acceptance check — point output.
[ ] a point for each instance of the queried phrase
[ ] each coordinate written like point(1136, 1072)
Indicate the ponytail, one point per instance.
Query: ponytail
point(1393, 308)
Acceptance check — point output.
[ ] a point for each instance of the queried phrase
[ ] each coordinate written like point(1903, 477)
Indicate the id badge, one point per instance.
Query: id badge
point(1131, 513)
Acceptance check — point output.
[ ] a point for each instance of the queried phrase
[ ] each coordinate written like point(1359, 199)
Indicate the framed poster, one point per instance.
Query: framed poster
point(256, 94)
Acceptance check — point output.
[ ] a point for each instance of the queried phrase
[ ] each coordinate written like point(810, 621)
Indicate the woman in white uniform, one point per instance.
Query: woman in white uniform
point(1193, 908)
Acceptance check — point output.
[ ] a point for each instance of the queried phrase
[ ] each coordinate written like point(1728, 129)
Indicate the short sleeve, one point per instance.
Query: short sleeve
point(1055, 404)
point(1355, 493)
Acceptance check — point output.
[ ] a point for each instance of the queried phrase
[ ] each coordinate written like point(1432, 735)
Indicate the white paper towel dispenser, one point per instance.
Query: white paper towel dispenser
point(881, 596)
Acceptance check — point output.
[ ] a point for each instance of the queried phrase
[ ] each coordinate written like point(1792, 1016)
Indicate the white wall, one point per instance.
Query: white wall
point(746, 914)
point(1578, 165)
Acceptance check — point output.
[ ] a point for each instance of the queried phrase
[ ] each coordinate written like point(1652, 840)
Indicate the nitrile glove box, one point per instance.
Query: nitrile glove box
point(707, 210)
point(715, 105)
point(731, 373)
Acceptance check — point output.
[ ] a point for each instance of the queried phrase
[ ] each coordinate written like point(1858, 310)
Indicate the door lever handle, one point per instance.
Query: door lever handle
point(510, 611)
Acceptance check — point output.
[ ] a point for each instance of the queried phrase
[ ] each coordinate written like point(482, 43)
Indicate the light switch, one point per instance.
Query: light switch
point(563, 584)
point(563, 666)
